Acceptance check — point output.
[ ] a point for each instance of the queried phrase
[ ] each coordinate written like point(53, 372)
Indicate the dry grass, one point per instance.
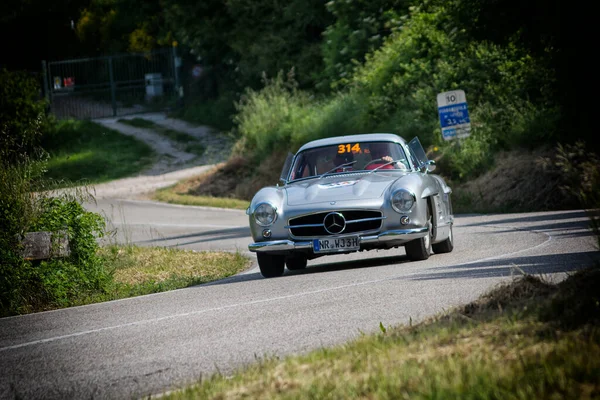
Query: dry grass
point(143, 270)
point(520, 181)
point(170, 195)
point(231, 184)
point(157, 264)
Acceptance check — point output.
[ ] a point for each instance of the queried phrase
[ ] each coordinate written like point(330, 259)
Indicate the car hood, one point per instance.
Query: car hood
point(340, 188)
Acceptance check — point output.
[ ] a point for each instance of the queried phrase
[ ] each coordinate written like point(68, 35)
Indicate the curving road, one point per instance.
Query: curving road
point(151, 344)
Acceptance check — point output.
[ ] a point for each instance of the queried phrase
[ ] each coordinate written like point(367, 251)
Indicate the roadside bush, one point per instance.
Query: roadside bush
point(281, 118)
point(83, 272)
point(214, 113)
point(21, 161)
point(395, 90)
point(579, 172)
point(57, 282)
point(266, 118)
point(24, 207)
point(508, 91)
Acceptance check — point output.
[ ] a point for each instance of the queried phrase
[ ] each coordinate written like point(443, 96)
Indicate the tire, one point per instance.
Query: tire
point(420, 249)
point(270, 266)
point(446, 246)
point(294, 263)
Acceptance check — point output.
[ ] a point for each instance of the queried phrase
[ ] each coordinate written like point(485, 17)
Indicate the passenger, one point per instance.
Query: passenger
point(343, 158)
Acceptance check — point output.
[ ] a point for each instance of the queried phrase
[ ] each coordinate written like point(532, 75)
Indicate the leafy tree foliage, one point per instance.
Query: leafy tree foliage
point(22, 117)
point(360, 27)
point(239, 40)
point(553, 34)
point(115, 26)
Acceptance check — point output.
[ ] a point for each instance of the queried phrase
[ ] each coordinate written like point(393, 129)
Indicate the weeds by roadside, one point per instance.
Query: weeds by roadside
point(172, 196)
point(136, 271)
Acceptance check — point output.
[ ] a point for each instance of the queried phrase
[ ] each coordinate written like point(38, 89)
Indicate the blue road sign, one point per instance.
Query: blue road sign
point(454, 115)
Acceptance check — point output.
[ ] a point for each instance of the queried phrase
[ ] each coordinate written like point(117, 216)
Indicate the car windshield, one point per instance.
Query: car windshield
point(347, 157)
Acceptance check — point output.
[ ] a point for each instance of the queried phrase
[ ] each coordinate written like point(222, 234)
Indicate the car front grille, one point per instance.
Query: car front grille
point(312, 225)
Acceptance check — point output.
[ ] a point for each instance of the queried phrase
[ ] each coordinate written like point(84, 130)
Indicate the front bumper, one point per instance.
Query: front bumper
point(371, 241)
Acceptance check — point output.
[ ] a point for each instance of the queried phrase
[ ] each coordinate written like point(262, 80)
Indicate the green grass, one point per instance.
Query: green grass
point(170, 195)
point(138, 271)
point(526, 340)
point(189, 143)
point(144, 270)
point(83, 152)
point(214, 113)
point(138, 123)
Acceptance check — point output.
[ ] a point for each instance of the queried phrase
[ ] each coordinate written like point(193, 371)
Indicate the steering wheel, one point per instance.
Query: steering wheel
point(373, 162)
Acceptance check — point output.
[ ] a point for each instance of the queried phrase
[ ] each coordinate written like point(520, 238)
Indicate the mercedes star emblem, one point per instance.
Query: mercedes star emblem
point(334, 223)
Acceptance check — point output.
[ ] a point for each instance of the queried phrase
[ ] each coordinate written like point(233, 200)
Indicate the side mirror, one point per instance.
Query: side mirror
point(430, 165)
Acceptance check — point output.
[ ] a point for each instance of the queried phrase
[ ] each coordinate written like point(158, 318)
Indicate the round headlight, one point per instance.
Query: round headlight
point(402, 200)
point(265, 214)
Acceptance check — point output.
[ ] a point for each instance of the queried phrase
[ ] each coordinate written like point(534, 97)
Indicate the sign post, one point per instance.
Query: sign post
point(454, 115)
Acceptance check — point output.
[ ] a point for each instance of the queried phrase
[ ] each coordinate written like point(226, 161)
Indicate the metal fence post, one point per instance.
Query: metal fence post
point(178, 87)
point(113, 89)
point(45, 88)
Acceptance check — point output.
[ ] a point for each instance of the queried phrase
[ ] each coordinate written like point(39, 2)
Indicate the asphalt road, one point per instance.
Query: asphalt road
point(147, 345)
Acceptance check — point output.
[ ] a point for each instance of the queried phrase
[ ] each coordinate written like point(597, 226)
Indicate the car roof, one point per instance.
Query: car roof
point(363, 137)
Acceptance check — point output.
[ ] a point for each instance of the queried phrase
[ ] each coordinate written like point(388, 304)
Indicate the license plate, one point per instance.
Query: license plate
point(348, 243)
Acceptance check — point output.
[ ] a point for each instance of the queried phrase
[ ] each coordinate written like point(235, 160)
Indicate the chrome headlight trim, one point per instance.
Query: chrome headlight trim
point(402, 201)
point(265, 214)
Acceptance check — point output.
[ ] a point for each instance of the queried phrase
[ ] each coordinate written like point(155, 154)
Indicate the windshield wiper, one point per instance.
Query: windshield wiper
point(383, 165)
point(336, 167)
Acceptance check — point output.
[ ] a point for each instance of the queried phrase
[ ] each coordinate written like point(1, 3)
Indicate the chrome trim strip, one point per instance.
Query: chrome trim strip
point(354, 221)
point(279, 245)
point(303, 226)
point(395, 234)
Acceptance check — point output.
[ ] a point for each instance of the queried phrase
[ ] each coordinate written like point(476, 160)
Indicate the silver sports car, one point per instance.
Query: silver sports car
point(351, 193)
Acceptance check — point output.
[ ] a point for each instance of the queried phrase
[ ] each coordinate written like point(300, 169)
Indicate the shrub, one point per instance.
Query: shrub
point(22, 118)
point(266, 118)
point(31, 285)
point(28, 285)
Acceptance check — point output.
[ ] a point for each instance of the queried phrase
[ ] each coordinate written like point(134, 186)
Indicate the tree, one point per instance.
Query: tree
point(116, 26)
point(360, 27)
point(238, 40)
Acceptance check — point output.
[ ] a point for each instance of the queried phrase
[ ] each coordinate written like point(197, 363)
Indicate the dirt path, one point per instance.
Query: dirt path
point(173, 164)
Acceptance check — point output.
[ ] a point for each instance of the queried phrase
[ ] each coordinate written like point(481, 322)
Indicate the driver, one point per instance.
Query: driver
point(379, 152)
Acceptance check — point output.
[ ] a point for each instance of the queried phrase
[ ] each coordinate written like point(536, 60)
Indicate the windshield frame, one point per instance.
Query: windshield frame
point(315, 159)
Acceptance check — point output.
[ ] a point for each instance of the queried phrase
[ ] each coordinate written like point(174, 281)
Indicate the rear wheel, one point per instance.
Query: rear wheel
point(296, 262)
point(420, 249)
point(271, 266)
point(446, 246)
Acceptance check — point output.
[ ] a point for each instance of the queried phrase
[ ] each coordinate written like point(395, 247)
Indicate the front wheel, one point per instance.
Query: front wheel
point(270, 266)
point(446, 246)
point(420, 249)
point(296, 262)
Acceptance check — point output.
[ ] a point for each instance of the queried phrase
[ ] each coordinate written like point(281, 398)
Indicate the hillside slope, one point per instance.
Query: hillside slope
point(520, 181)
